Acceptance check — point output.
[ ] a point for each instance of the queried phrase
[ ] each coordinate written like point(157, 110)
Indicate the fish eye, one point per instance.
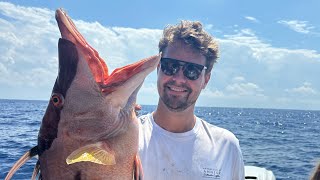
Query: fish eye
point(57, 100)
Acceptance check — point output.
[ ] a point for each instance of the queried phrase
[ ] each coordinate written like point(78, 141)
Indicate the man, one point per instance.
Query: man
point(174, 143)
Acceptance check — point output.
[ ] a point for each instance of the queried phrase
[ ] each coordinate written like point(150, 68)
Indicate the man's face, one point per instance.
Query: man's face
point(178, 92)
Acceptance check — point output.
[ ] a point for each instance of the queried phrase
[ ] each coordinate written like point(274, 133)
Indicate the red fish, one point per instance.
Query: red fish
point(90, 129)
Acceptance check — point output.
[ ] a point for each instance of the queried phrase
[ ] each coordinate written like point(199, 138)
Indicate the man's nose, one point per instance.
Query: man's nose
point(179, 76)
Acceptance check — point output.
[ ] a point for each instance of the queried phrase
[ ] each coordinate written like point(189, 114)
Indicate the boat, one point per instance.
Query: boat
point(258, 173)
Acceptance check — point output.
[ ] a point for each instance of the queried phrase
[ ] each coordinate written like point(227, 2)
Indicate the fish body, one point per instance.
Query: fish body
point(90, 129)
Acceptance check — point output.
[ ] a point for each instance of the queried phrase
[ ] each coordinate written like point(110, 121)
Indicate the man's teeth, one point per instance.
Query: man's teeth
point(177, 89)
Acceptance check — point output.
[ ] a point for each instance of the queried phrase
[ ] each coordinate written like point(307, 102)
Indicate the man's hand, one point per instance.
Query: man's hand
point(137, 108)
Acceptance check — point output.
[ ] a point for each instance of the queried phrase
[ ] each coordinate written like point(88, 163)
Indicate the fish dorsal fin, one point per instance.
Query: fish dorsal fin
point(28, 155)
point(98, 153)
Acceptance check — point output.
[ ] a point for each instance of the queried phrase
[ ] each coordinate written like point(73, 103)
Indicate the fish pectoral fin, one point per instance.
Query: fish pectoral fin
point(97, 153)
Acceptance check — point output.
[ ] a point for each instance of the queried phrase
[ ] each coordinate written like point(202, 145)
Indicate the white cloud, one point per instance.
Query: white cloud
point(252, 19)
point(298, 26)
point(270, 69)
point(148, 94)
point(120, 46)
point(149, 88)
point(238, 88)
point(238, 79)
point(240, 93)
point(29, 38)
point(26, 14)
point(212, 93)
point(250, 73)
point(249, 47)
point(26, 47)
point(305, 89)
point(209, 26)
point(244, 89)
point(3, 70)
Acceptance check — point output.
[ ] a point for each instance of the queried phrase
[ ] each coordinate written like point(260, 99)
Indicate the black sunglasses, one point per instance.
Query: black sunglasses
point(171, 67)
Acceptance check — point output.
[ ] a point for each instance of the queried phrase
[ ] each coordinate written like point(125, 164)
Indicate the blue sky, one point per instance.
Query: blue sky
point(269, 50)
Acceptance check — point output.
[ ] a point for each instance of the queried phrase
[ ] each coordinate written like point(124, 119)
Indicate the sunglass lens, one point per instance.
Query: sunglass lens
point(169, 67)
point(192, 71)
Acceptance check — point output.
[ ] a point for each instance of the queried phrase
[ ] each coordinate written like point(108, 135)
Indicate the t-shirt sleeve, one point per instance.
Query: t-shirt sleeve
point(238, 164)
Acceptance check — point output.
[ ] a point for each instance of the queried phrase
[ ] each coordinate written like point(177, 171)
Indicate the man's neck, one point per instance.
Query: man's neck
point(177, 122)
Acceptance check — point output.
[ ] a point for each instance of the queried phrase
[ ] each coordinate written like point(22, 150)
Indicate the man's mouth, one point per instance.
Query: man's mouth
point(177, 89)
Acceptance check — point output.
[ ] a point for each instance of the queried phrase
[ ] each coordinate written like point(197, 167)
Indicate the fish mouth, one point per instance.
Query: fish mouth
point(124, 80)
point(69, 32)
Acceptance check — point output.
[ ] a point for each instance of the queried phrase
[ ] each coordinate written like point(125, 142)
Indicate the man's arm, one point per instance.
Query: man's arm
point(238, 166)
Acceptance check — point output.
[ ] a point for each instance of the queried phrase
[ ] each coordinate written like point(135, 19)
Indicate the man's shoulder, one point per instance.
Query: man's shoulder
point(219, 133)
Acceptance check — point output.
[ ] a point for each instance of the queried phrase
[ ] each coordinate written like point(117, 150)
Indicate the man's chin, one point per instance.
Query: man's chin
point(176, 107)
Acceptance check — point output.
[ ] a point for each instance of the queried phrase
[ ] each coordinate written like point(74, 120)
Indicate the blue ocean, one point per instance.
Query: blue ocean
point(286, 142)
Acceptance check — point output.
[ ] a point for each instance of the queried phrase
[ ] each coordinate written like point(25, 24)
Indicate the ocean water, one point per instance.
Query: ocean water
point(284, 141)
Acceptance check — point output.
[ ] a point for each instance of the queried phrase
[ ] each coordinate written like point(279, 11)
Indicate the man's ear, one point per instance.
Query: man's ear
point(206, 79)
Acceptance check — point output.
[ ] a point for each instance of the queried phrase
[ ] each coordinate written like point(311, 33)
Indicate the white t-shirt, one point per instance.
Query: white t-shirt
point(205, 152)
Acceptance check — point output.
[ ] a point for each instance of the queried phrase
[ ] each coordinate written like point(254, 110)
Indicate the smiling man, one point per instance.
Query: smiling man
point(174, 143)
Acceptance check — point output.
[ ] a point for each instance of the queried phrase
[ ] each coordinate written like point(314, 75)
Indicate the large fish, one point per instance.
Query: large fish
point(90, 129)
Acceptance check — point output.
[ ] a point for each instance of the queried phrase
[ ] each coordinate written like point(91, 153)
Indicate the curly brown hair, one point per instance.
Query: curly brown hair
point(193, 35)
